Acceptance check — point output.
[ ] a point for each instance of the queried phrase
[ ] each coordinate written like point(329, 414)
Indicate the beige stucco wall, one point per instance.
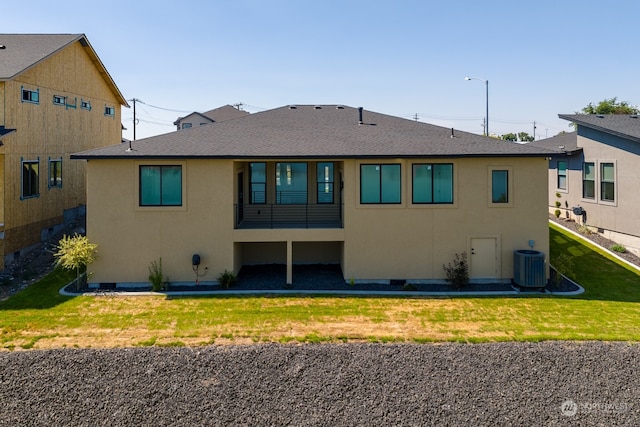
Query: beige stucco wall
point(377, 242)
point(413, 241)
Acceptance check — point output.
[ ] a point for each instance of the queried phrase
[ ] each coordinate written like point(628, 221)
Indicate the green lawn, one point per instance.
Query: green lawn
point(39, 317)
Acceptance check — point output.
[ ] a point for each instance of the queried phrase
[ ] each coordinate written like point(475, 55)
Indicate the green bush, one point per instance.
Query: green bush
point(558, 203)
point(155, 275)
point(557, 213)
point(458, 272)
point(75, 253)
point(227, 279)
point(618, 248)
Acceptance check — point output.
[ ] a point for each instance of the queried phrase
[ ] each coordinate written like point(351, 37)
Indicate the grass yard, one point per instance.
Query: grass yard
point(39, 317)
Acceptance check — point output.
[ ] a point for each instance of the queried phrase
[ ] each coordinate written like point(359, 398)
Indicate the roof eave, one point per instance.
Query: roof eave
point(571, 118)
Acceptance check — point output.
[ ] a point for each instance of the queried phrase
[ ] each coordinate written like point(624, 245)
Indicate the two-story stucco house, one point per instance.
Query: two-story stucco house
point(382, 197)
point(597, 171)
point(56, 98)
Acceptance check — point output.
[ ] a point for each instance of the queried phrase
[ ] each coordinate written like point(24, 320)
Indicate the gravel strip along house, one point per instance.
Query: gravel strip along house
point(384, 198)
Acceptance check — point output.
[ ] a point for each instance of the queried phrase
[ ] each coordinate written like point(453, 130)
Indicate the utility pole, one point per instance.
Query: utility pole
point(534, 130)
point(415, 117)
point(135, 121)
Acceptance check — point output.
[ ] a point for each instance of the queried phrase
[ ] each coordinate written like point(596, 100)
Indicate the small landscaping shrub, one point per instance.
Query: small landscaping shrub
point(458, 272)
point(558, 203)
point(75, 253)
point(583, 229)
point(155, 275)
point(618, 248)
point(557, 213)
point(227, 279)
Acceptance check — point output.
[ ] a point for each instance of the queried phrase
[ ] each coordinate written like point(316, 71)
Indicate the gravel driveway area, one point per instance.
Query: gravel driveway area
point(515, 384)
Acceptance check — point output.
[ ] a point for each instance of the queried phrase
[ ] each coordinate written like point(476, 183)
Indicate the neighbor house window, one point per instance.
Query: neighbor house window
point(55, 173)
point(59, 100)
point(31, 95)
point(161, 185)
point(186, 125)
point(324, 179)
point(291, 183)
point(85, 105)
point(562, 174)
point(380, 183)
point(433, 183)
point(499, 186)
point(607, 182)
point(109, 111)
point(258, 178)
point(588, 180)
point(30, 173)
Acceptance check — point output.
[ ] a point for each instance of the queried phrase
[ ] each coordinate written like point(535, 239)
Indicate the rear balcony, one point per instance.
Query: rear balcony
point(270, 216)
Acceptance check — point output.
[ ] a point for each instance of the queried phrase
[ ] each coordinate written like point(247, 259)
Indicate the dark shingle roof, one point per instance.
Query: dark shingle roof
point(317, 132)
point(622, 125)
point(226, 112)
point(566, 142)
point(22, 51)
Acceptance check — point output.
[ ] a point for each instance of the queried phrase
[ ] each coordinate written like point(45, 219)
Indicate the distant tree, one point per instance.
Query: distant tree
point(510, 137)
point(610, 106)
point(525, 137)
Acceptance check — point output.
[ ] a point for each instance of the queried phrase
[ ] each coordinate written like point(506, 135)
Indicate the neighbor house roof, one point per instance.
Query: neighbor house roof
point(565, 142)
point(320, 131)
point(220, 114)
point(622, 125)
point(20, 52)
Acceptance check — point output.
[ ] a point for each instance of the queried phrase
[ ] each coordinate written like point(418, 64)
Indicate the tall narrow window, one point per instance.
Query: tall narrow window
point(380, 183)
point(161, 185)
point(55, 173)
point(607, 182)
point(562, 174)
point(325, 182)
point(30, 173)
point(291, 183)
point(588, 180)
point(500, 186)
point(258, 177)
point(433, 183)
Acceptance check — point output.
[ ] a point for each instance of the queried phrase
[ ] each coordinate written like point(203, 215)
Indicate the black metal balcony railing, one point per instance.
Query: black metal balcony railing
point(288, 216)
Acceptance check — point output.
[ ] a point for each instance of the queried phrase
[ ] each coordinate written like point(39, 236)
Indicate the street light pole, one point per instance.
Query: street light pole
point(486, 84)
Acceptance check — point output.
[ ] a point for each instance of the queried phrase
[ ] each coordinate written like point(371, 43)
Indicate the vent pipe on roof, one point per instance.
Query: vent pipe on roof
point(360, 116)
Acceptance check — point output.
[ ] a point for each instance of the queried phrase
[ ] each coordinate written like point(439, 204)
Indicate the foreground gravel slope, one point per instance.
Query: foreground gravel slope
point(325, 385)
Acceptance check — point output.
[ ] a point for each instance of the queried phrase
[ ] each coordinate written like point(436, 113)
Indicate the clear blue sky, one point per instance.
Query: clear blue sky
point(396, 57)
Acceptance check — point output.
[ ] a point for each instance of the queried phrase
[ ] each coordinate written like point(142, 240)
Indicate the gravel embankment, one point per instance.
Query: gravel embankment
point(325, 385)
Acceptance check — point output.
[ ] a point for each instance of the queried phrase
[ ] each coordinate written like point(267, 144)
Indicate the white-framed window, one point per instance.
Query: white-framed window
point(109, 111)
point(607, 182)
point(588, 180)
point(85, 105)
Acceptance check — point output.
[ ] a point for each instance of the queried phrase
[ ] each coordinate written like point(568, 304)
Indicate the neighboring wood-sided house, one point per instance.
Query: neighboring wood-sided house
point(597, 172)
point(383, 197)
point(56, 98)
point(220, 114)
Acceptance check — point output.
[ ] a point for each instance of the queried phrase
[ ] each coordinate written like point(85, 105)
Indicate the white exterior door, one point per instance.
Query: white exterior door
point(482, 263)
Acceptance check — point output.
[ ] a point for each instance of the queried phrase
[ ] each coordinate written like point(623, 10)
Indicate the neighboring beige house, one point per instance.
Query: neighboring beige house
point(220, 114)
point(598, 172)
point(56, 98)
point(383, 197)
